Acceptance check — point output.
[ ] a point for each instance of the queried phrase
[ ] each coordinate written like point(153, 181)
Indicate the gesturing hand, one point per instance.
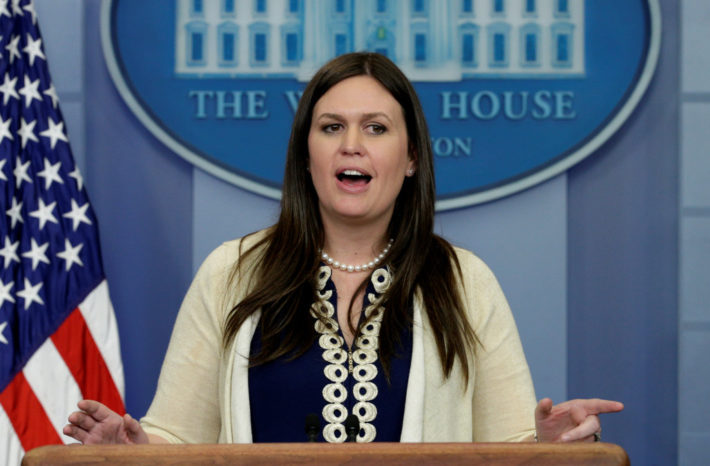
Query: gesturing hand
point(95, 423)
point(571, 421)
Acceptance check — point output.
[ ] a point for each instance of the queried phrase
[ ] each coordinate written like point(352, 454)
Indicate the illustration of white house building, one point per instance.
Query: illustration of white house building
point(430, 40)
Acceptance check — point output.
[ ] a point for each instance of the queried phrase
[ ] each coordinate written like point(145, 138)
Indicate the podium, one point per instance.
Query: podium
point(577, 454)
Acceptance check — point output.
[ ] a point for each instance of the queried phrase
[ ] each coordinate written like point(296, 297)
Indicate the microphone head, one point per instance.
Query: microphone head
point(312, 424)
point(352, 426)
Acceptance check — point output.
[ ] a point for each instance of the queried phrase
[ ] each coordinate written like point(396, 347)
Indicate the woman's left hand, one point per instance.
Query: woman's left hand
point(572, 421)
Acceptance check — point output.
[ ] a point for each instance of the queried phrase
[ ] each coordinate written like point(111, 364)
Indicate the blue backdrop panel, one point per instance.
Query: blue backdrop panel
point(142, 194)
point(623, 253)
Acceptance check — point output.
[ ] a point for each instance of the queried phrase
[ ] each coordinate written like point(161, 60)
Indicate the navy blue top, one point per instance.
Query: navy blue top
point(282, 393)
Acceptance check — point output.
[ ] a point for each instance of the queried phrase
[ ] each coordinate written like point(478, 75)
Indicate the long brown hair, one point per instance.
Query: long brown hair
point(284, 284)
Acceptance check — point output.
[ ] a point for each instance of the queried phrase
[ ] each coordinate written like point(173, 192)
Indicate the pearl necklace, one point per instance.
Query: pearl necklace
point(357, 268)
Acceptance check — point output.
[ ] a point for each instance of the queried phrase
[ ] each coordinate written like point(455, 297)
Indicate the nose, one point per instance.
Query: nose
point(352, 142)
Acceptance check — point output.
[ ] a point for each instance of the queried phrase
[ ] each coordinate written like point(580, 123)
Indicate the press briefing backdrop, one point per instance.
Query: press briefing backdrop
point(587, 259)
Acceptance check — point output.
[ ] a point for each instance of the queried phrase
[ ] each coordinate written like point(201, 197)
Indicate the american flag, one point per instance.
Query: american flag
point(58, 335)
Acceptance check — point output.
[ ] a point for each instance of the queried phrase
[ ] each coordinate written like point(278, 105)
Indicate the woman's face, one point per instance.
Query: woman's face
point(359, 154)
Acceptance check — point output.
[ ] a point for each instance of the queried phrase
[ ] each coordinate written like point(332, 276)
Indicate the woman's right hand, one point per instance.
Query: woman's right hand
point(95, 424)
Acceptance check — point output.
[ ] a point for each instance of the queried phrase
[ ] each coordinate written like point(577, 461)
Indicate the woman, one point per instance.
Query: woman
point(349, 304)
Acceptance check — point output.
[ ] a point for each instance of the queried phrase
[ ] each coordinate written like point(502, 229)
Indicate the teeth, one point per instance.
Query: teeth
point(352, 173)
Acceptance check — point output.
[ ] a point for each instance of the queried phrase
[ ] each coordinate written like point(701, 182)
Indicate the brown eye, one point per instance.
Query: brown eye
point(377, 129)
point(331, 128)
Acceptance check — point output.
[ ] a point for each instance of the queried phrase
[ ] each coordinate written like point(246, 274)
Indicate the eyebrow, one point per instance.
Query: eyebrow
point(366, 116)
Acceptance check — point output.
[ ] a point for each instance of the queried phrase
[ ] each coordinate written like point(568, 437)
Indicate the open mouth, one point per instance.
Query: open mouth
point(353, 177)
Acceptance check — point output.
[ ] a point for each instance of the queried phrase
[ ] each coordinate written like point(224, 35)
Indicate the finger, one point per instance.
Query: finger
point(599, 406)
point(134, 430)
point(82, 420)
point(132, 426)
point(578, 413)
point(95, 409)
point(543, 409)
point(75, 432)
point(585, 429)
point(88, 405)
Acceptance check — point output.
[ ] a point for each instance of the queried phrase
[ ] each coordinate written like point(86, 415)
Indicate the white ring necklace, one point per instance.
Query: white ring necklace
point(357, 268)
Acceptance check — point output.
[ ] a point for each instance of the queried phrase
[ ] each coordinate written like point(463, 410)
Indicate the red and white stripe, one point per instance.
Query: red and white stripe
point(81, 360)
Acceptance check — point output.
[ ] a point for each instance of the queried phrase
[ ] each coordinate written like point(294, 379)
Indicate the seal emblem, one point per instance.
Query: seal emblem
point(515, 91)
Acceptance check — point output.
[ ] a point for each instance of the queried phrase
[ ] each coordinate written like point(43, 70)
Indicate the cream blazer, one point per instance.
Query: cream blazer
point(203, 394)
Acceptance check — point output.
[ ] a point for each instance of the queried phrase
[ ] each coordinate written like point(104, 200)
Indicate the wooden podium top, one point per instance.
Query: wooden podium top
point(577, 454)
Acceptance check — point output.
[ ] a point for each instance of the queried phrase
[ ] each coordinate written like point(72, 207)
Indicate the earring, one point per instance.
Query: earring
point(410, 172)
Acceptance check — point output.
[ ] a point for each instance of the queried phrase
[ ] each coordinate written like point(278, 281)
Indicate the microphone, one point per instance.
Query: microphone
point(312, 427)
point(352, 427)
